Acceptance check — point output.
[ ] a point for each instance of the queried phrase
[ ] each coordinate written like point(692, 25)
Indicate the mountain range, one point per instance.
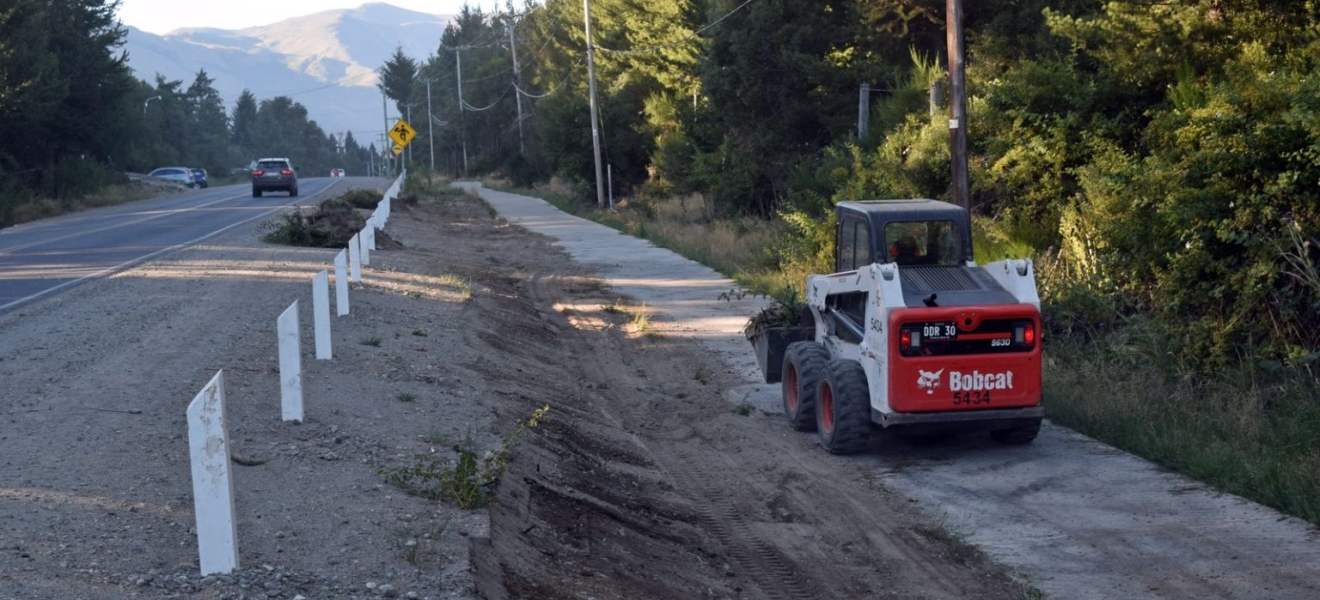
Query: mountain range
point(325, 61)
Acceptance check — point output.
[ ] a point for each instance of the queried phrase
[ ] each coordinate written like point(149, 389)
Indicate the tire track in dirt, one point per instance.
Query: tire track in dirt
point(644, 482)
point(758, 563)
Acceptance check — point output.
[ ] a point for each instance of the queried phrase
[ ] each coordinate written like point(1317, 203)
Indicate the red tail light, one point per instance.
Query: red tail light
point(905, 339)
point(1030, 335)
point(286, 172)
point(258, 173)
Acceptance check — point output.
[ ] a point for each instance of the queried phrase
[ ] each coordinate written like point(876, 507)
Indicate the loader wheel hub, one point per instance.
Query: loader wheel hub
point(826, 401)
point(791, 387)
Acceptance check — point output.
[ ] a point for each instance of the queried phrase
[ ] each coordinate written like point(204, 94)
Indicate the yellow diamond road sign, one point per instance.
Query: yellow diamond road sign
point(402, 133)
point(398, 149)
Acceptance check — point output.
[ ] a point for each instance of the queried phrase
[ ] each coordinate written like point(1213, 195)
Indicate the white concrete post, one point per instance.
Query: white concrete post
point(291, 398)
point(213, 487)
point(364, 246)
point(355, 258)
point(341, 283)
point(371, 235)
point(321, 314)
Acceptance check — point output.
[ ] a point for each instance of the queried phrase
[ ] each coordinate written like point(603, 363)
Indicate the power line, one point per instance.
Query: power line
point(471, 108)
point(552, 90)
point(677, 42)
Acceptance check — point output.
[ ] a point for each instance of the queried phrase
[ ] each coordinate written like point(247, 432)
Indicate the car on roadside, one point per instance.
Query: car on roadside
point(181, 175)
point(274, 174)
point(199, 175)
point(336, 173)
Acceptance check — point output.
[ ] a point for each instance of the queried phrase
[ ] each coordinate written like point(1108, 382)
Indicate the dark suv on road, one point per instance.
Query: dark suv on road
point(272, 174)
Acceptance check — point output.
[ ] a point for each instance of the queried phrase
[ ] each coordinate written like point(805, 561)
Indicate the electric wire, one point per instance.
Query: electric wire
point(680, 41)
point(561, 83)
point(471, 108)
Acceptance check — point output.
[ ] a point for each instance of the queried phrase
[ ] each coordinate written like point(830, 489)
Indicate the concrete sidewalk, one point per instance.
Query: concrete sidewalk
point(1078, 519)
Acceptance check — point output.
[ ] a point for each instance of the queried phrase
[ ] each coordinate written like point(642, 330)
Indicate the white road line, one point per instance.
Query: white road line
point(129, 263)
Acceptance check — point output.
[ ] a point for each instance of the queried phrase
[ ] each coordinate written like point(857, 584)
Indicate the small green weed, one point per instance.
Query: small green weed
point(467, 481)
point(406, 397)
point(464, 288)
point(436, 437)
point(419, 333)
point(744, 409)
point(416, 549)
point(373, 341)
point(702, 375)
point(641, 319)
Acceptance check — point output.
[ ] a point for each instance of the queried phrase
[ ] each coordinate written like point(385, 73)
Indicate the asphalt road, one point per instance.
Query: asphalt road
point(41, 258)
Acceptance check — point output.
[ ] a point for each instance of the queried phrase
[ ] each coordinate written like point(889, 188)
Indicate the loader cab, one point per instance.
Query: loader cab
point(904, 232)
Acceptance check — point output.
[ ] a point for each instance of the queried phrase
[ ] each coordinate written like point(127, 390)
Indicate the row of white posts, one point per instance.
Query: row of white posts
point(208, 434)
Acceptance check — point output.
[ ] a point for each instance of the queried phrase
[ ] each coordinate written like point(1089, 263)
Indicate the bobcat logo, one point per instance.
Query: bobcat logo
point(929, 381)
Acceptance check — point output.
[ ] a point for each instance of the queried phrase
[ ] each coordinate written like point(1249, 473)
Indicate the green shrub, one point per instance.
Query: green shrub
point(467, 481)
point(335, 222)
point(363, 198)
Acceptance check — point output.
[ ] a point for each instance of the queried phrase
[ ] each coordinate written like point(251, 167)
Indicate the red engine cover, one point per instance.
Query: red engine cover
point(964, 381)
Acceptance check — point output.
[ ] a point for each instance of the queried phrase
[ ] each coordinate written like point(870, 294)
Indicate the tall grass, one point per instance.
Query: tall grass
point(740, 248)
point(688, 226)
point(1111, 374)
point(1251, 432)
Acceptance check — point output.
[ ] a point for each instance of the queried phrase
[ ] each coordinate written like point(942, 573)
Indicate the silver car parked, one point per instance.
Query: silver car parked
point(182, 175)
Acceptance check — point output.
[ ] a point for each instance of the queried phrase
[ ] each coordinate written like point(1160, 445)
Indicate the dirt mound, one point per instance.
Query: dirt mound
point(334, 222)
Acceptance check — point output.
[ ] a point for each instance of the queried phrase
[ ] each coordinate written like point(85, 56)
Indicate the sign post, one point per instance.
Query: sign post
point(403, 134)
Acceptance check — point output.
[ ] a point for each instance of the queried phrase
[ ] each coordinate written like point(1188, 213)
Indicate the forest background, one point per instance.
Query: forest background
point(1160, 161)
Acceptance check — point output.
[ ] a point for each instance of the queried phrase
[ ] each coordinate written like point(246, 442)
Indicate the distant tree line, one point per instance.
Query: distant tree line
point(73, 118)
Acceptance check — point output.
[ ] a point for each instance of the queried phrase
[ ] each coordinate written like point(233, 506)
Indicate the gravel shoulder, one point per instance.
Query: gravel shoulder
point(644, 481)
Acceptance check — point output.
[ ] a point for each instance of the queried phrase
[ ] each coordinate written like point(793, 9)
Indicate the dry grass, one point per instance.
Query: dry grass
point(690, 226)
point(44, 208)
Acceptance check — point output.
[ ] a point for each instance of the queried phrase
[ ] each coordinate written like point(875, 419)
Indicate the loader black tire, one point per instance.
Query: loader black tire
point(1024, 432)
point(804, 369)
point(843, 408)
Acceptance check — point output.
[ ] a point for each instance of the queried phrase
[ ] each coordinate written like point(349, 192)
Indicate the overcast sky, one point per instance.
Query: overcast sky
point(163, 16)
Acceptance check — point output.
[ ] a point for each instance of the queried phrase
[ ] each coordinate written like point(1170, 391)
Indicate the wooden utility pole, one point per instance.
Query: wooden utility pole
point(595, 120)
point(958, 106)
point(462, 131)
point(430, 137)
point(517, 82)
point(385, 115)
point(863, 111)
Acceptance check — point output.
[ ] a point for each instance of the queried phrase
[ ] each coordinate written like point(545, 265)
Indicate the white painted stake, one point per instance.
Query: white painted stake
point(365, 242)
point(321, 314)
point(355, 258)
point(341, 282)
point(291, 398)
point(213, 488)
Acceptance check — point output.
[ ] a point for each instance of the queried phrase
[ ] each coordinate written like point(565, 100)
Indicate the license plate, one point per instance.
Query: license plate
point(939, 331)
